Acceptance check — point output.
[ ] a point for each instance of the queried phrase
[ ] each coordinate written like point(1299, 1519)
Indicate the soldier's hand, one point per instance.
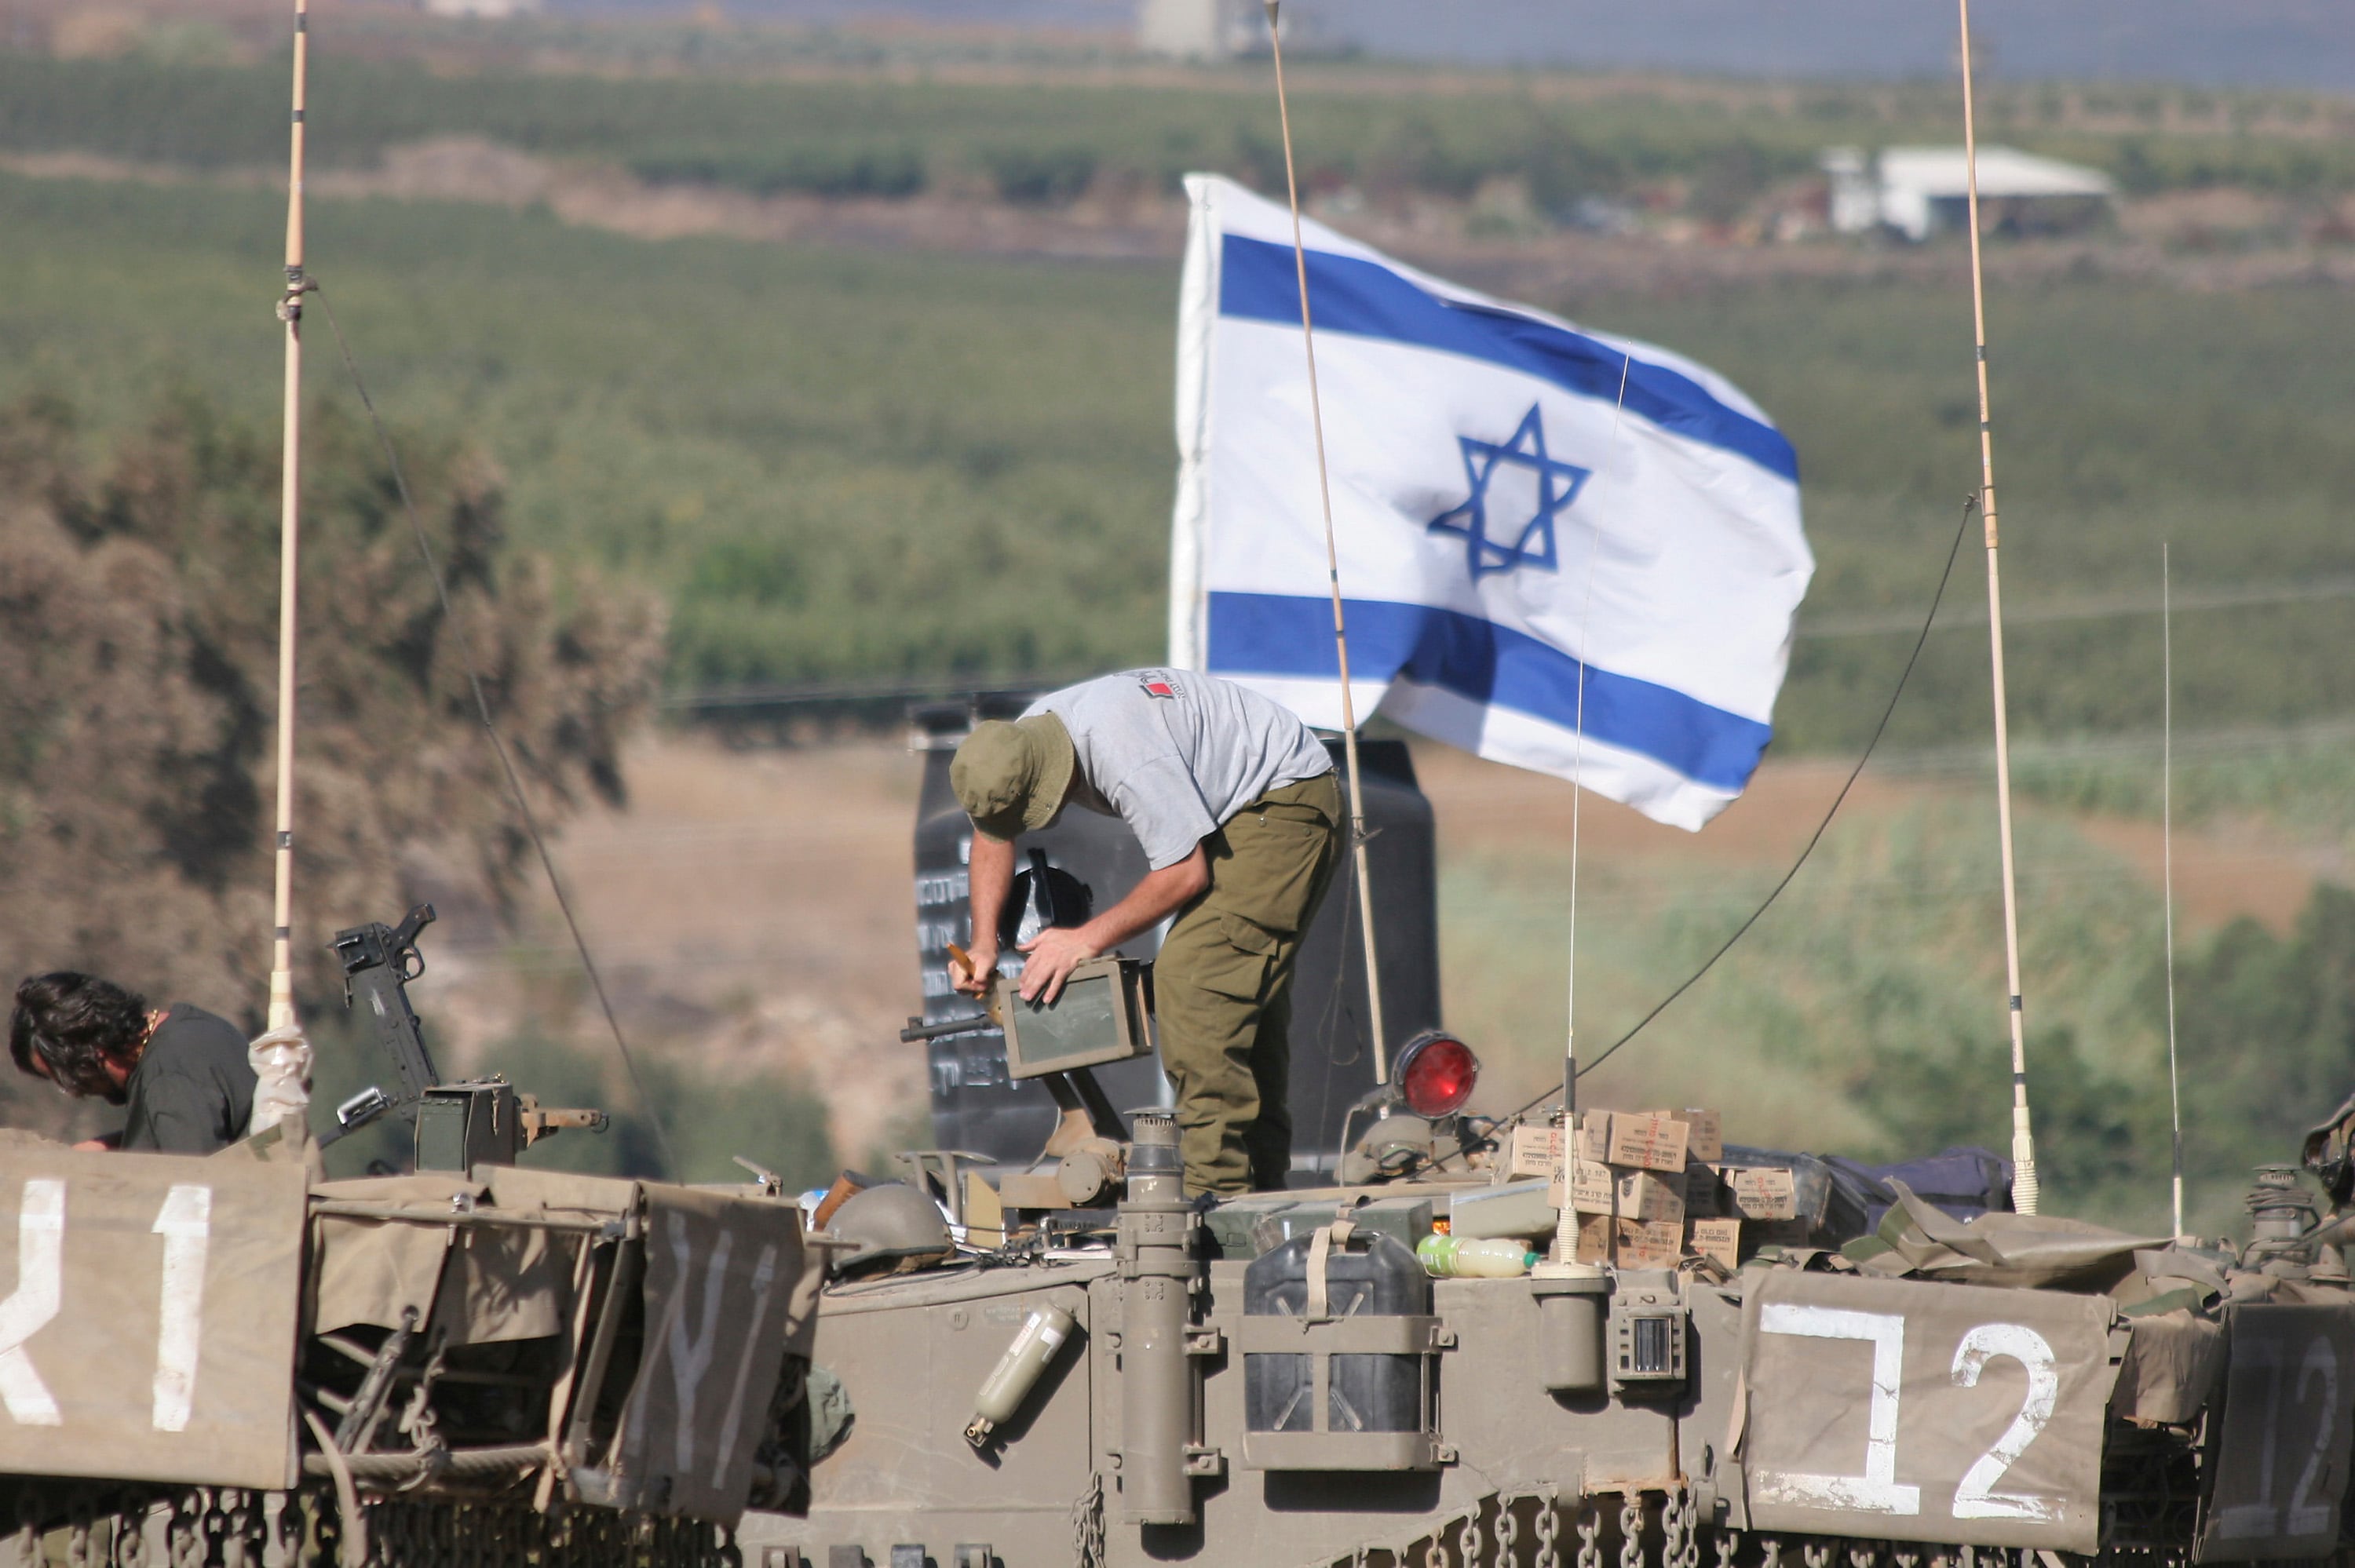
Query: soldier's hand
point(1052, 955)
point(975, 981)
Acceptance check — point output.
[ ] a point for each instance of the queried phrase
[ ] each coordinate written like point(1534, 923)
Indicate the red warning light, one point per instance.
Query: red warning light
point(1435, 1074)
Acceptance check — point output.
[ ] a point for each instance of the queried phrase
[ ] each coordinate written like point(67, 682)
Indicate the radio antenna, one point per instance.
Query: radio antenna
point(2167, 847)
point(1578, 790)
point(1565, 1235)
point(290, 515)
point(2024, 1185)
point(1333, 576)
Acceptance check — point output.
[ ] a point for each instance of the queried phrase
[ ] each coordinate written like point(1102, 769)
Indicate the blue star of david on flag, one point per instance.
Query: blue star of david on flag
point(1532, 543)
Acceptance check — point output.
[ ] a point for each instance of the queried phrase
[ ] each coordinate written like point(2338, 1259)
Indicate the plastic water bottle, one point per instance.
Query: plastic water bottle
point(1494, 1258)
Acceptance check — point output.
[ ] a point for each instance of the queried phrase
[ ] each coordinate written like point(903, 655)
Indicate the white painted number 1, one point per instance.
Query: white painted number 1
point(186, 1225)
point(1875, 1490)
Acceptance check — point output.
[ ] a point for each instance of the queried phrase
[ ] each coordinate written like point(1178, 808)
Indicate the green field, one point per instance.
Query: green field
point(848, 465)
point(851, 465)
point(1044, 141)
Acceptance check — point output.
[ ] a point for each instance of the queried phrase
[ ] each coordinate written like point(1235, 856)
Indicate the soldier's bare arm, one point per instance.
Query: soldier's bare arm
point(989, 876)
point(1055, 952)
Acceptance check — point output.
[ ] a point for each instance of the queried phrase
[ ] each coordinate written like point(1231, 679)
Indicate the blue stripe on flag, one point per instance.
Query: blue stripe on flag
point(1280, 634)
point(1257, 281)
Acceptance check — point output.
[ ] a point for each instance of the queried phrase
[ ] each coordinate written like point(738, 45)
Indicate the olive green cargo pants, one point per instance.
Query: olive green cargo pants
point(1222, 985)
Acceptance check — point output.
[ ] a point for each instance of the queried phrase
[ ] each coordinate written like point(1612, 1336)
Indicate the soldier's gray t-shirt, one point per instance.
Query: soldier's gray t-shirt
point(1174, 753)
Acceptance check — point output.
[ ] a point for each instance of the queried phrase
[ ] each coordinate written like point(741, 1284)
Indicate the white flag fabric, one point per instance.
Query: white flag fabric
point(1516, 500)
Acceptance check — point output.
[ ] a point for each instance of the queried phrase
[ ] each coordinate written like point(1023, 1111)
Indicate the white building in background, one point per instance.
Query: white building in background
point(1227, 30)
point(1923, 191)
point(1200, 30)
point(493, 10)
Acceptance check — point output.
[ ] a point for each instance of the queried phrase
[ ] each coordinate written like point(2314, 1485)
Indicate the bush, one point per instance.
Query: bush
point(819, 171)
point(1040, 177)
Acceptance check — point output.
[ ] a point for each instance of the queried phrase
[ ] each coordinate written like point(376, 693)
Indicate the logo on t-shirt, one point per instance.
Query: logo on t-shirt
point(1160, 685)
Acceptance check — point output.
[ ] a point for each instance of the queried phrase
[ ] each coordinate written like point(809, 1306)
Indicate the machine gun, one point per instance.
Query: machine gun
point(379, 961)
point(458, 1126)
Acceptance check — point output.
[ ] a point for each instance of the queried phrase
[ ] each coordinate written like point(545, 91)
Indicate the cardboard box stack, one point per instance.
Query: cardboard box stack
point(1628, 1181)
point(1652, 1187)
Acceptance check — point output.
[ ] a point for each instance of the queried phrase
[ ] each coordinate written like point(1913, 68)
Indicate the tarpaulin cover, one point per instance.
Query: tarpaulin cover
point(722, 1275)
point(2281, 1451)
point(1964, 1183)
point(1902, 1410)
point(2040, 1251)
point(148, 1325)
point(2169, 1369)
point(505, 1283)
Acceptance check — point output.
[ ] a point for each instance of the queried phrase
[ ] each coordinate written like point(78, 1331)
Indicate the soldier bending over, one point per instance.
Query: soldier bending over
point(1235, 804)
point(182, 1071)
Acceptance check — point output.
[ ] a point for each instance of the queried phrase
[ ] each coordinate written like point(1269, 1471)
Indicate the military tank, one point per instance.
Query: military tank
point(1459, 1343)
point(234, 1360)
point(1686, 1349)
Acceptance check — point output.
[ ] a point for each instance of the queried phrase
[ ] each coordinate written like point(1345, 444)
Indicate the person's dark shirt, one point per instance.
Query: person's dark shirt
point(192, 1092)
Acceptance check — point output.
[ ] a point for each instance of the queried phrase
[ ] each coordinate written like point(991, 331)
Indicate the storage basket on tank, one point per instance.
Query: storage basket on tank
point(1355, 1390)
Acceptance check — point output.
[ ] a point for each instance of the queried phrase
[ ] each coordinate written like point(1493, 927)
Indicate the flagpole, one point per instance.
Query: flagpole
point(1333, 576)
point(2024, 1184)
point(290, 501)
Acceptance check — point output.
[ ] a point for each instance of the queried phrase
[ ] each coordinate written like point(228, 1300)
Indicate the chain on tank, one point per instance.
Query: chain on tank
point(228, 1528)
point(1525, 1526)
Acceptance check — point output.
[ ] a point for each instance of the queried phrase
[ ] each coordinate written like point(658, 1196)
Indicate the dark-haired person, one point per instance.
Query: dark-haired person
point(182, 1072)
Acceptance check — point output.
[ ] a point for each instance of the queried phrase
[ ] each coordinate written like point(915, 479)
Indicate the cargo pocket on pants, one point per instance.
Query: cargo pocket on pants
point(1236, 958)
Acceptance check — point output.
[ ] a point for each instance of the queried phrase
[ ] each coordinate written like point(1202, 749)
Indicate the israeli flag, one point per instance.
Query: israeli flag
point(1517, 500)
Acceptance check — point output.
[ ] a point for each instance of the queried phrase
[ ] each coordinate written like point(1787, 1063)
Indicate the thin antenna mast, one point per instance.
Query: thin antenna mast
point(2167, 846)
point(290, 508)
point(2024, 1186)
point(1565, 1232)
point(1333, 575)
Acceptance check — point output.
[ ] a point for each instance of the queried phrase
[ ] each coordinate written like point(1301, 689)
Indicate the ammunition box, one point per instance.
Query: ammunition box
point(1232, 1225)
point(1717, 1240)
point(1647, 1244)
point(1406, 1221)
point(1595, 1237)
point(1591, 1190)
point(1516, 1209)
point(1704, 1134)
point(1705, 1194)
point(1649, 1142)
point(1649, 1196)
point(1533, 1151)
point(1101, 1017)
point(1762, 1192)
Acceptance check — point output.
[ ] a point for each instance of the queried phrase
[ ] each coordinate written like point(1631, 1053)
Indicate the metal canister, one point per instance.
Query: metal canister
point(1018, 1371)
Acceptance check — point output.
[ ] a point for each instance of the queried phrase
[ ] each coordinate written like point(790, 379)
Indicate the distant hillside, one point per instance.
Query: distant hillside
point(2245, 43)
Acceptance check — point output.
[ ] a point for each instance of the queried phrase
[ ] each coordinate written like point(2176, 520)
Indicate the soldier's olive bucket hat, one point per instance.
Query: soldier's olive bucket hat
point(1011, 778)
